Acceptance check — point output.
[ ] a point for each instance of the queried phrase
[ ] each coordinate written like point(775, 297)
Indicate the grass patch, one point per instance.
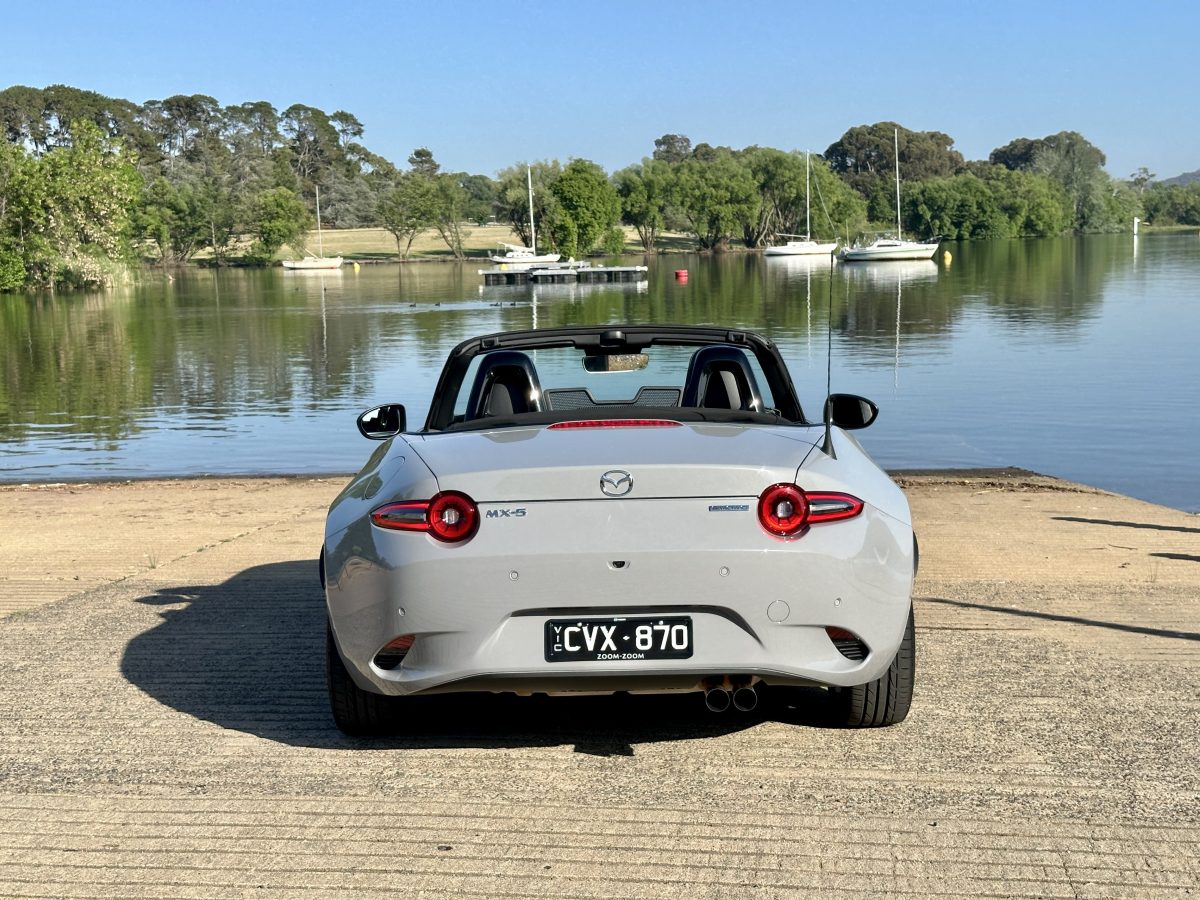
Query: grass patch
point(378, 245)
point(478, 242)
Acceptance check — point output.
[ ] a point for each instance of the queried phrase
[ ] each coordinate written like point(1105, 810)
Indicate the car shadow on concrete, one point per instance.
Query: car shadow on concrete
point(1067, 619)
point(1152, 526)
point(248, 654)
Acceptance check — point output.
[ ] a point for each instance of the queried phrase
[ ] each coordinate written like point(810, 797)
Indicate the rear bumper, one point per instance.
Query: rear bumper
point(759, 607)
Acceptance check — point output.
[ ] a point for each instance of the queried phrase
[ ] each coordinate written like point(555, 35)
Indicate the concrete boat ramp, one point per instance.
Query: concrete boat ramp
point(164, 731)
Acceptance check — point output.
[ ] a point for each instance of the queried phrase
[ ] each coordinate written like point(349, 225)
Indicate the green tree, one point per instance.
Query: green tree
point(313, 140)
point(91, 190)
point(1017, 154)
point(865, 157)
point(407, 209)
point(481, 197)
point(645, 192)
point(672, 148)
point(347, 201)
point(257, 119)
point(1075, 163)
point(1141, 178)
point(716, 192)
point(512, 199)
point(449, 209)
point(277, 216)
point(176, 218)
point(1173, 204)
point(422, 162)
point(589, 204)
point(988, 202)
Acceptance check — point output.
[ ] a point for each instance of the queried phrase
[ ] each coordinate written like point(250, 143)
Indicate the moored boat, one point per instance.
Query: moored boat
point(806, 246)
point(803, 247)
point(886, 249)
point(315, 262)
point(524, 257)
point(890, 249)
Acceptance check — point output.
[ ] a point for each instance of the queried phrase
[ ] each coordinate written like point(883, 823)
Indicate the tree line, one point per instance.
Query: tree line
point(90, 184)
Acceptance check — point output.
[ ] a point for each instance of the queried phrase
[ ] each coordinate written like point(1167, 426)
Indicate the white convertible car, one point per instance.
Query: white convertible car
point(619, 508)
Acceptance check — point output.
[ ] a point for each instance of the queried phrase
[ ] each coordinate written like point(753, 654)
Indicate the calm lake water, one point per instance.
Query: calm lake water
point(1072, 357)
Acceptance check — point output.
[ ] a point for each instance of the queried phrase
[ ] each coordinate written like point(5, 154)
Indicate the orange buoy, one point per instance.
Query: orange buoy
point(681, 275)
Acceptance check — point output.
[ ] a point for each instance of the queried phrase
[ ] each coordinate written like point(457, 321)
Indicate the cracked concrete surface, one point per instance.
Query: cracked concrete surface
point(164, 730)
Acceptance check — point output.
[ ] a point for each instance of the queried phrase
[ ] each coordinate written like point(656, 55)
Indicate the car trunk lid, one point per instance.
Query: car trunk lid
point(521, 465)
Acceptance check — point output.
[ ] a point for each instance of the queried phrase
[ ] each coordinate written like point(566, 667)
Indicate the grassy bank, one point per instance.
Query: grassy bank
point(366, 244)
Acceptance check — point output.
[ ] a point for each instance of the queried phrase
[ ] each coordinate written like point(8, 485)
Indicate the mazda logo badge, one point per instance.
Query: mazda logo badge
point(616, 483)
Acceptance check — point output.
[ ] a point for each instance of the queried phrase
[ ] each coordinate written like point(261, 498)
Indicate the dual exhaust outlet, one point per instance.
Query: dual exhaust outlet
point(742, 698)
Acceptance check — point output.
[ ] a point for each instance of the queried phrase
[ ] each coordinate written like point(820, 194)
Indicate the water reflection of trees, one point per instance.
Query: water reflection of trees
point(1055, 282)
point(97, 364)
point(220, 344)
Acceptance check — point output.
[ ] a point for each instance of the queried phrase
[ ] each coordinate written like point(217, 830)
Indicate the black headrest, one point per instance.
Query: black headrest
point(505, 384)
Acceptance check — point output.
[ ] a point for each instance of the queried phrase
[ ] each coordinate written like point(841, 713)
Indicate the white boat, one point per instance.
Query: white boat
point(889, 248)
point(316, 262)
point(524, 257)
point(806, 246)
point(313, 262)
point(803, 247)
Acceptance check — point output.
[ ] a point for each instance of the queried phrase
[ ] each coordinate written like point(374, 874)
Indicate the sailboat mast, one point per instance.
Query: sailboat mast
point(896, 136)
point(807, 198)
point(532, 231)
point(320, 239)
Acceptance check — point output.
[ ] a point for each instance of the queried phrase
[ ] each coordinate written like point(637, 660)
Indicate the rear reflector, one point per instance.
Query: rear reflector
point(616, 423)
point(394, 652)
point(849, 644)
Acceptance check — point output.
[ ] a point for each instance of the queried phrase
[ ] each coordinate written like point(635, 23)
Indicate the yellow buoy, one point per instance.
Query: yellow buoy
point(946, 257)
point(356, 267)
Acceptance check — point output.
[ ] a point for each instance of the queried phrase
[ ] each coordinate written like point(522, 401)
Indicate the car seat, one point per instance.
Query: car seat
point(720, 377)
point(506, 384)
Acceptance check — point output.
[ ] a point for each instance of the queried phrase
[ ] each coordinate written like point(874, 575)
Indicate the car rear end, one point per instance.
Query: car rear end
point(660, 558)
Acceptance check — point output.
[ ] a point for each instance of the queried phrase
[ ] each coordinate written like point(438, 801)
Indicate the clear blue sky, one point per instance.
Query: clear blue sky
point(484, 85)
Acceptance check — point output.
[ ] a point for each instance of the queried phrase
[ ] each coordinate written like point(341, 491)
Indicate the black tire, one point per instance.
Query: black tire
point(884, 701)
point(356, 712)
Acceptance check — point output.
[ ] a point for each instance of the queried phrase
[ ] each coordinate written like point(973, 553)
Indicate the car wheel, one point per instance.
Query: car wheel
point(356, 712)
point(885, 700)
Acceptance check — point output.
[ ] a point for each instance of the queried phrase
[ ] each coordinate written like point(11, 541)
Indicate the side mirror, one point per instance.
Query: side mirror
point(849, 411)
point(382, 422)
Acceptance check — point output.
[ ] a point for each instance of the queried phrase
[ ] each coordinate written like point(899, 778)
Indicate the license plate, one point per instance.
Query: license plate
point(597, 640)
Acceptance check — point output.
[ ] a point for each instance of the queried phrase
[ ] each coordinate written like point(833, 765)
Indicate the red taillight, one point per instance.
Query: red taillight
point(409, 516)
point(449, 516)
point(452, 516)
point(828, 506)
point(786, 510)
point(783, 510)
point(617, 423)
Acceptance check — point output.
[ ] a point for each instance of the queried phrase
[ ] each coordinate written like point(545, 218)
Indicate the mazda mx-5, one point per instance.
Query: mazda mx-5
point(619, 508)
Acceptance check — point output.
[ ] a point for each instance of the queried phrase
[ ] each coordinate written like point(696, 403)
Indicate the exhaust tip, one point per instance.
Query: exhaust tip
point(745, 699)
point(717, 699)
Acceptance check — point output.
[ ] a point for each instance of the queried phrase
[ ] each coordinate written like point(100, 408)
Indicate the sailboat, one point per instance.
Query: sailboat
point(524, 257)
point(892, 248)
point(806, 246)
point(316, 262)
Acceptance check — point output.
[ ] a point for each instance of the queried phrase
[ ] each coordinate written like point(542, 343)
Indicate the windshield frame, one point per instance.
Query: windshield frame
point(615, 339)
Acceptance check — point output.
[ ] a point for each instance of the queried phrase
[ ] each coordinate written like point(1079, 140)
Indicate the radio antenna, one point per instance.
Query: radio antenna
point(827, 410)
